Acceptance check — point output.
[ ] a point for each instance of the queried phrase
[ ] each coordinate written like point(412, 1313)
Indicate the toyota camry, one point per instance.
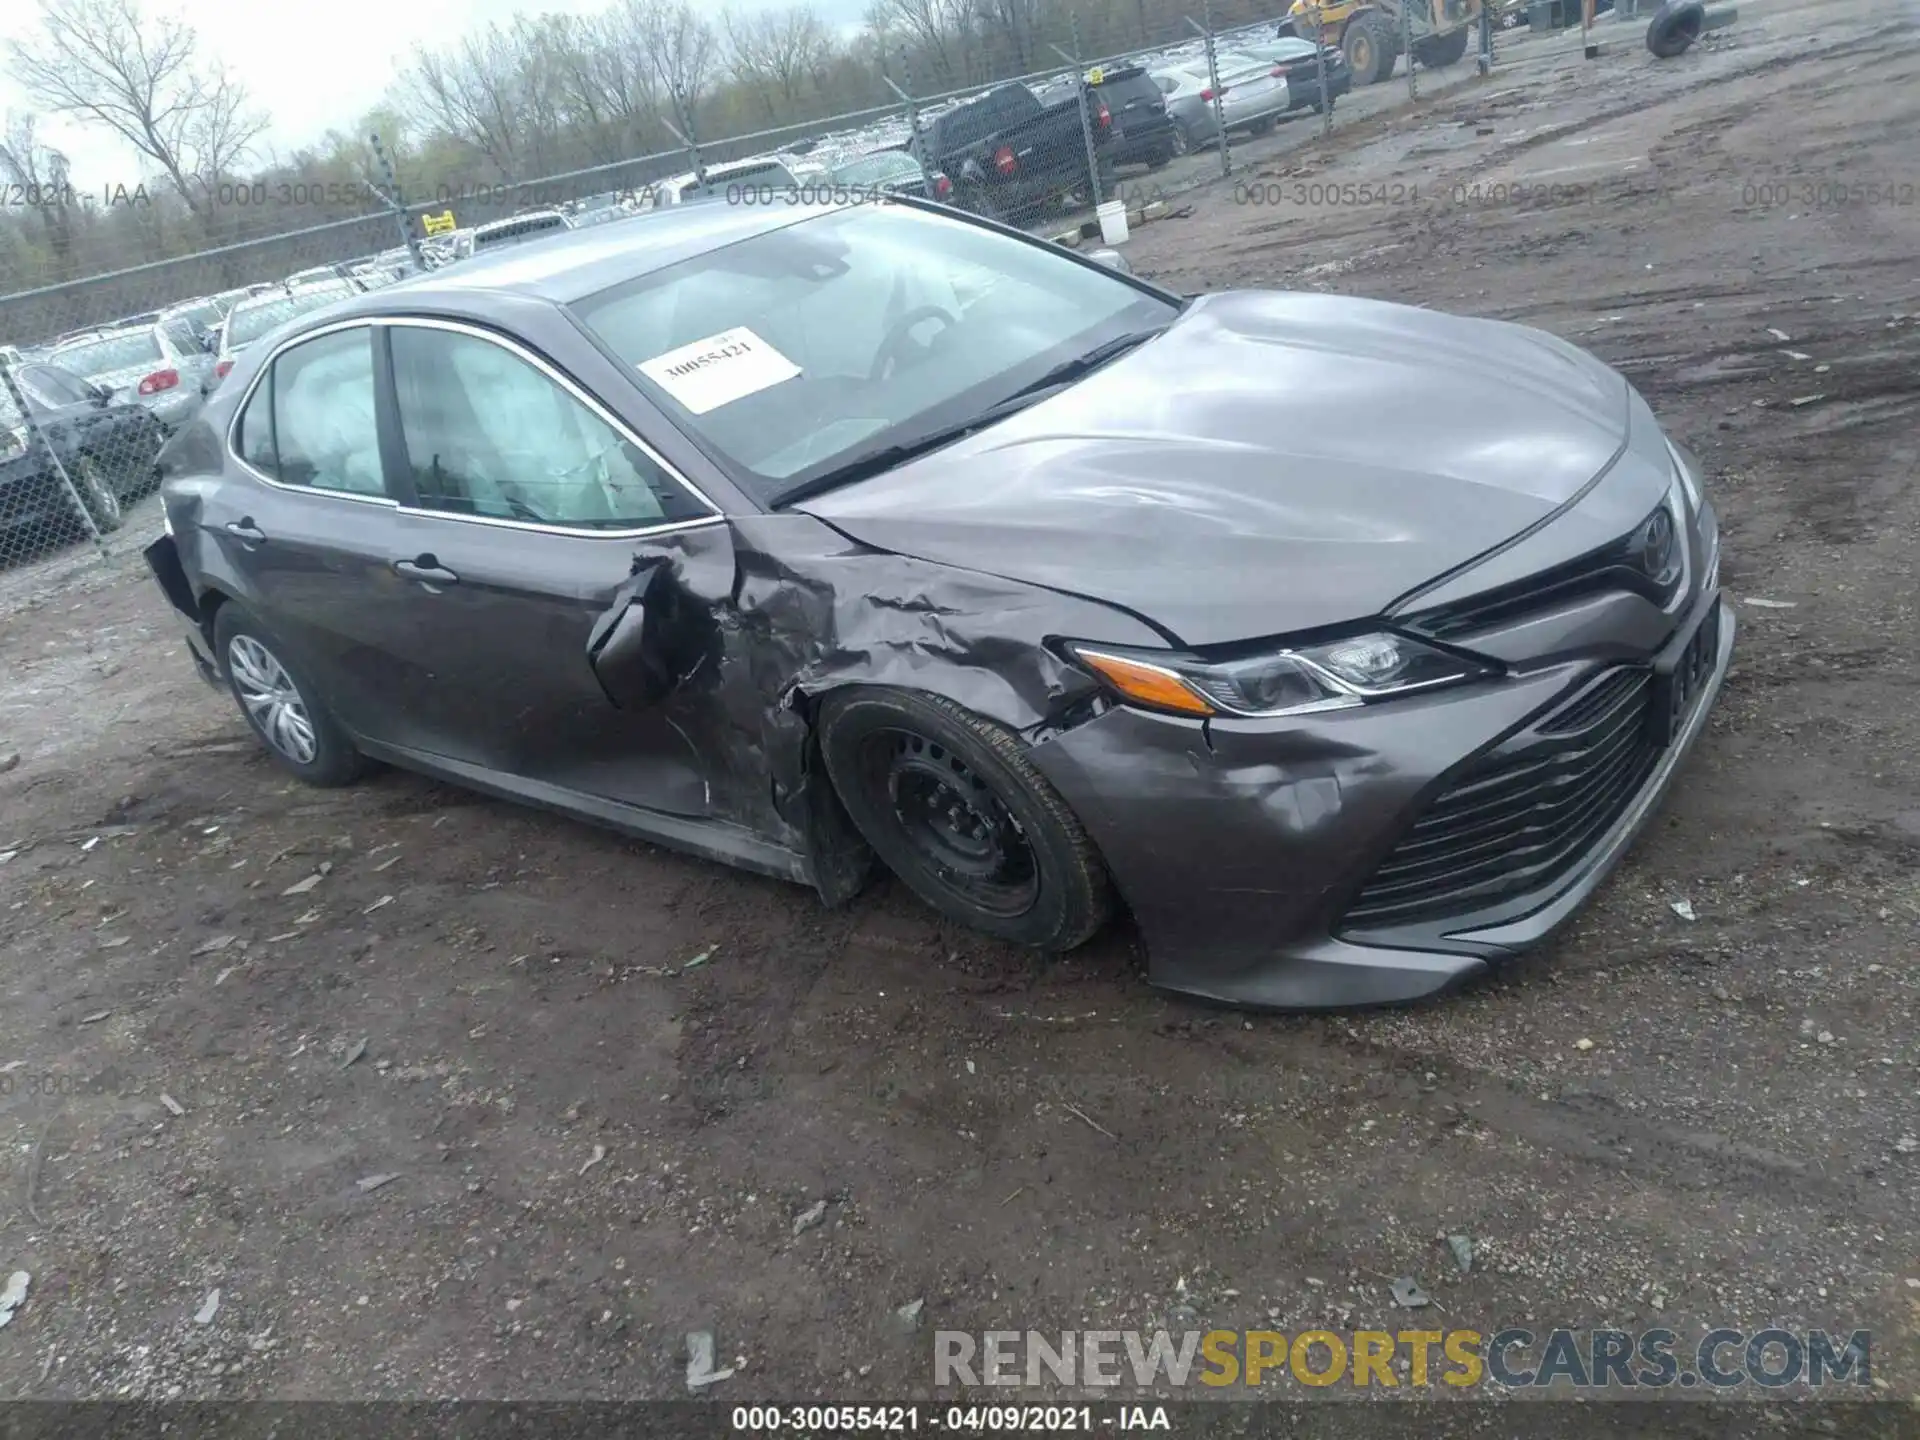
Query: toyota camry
point(803, 538)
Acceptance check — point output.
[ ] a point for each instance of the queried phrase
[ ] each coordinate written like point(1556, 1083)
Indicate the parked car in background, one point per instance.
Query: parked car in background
point(888, 172)
point(598, 209)
point(1251, 98)
point(1142, 131)
point(107, 448)
point(1299, 63)
point(253, 318)
point(518, 229)
point(762, 176)
point(1010, 154)
point(198, 318)
point(161, 366)
point(313, 275)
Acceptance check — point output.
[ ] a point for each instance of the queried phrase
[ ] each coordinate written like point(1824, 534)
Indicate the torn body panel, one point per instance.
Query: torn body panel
point(737, 657)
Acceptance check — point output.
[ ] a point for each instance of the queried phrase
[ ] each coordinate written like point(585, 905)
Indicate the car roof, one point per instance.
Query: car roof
point(569, 265)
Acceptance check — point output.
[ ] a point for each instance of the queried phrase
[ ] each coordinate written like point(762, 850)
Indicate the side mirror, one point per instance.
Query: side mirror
point(1112, 259)
point(101, 394)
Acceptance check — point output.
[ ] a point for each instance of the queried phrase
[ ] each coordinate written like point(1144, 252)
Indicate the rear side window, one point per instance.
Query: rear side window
point(310, 421)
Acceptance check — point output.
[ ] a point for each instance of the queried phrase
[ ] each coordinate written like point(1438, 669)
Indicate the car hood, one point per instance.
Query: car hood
point(1273, 462)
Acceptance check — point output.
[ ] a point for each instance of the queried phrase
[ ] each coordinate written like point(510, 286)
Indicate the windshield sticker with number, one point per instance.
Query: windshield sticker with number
point(718, 370)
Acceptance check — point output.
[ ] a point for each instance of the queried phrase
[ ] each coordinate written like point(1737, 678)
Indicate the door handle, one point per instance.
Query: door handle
point(426, 569)
point(246, 530)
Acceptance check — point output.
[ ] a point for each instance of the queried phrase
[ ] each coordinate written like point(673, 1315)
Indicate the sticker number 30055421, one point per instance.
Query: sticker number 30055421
point(718, 370)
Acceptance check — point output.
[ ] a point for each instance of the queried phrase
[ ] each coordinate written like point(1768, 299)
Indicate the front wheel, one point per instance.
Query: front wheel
point(281, 706)
point(955, 808)
point(1181, 141)
point(101, 510)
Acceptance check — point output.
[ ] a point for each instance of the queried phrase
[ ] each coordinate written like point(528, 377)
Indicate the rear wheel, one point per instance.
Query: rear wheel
point(1181, 140)
point(953, 806)
point(279, 704)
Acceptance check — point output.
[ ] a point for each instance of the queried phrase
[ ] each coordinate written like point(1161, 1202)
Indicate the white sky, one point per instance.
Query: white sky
point(312, 67)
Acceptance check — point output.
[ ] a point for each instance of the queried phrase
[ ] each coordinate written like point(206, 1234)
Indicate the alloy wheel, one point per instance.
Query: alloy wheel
point(272, 701)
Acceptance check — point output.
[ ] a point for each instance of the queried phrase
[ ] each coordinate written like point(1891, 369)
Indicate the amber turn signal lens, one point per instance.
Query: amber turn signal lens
point(1149, 684)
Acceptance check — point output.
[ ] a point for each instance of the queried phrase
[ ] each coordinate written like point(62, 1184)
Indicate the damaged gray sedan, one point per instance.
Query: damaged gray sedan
point(797, 537)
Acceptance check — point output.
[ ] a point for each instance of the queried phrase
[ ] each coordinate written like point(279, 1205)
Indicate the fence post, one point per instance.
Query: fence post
point(1320, 64)
point(34, 435)
point(690, 138)
point(1485, 59)
point(1205, 31)
point(915, 146)
point(1406, 46)
point(1080, 88)
point(398, 203)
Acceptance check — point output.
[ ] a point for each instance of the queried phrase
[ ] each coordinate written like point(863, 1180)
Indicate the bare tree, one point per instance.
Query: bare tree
point(776, 54)
point(41, 174)
point(679, 43)
point(102, 60)
point(938, 29)
point(471, 91)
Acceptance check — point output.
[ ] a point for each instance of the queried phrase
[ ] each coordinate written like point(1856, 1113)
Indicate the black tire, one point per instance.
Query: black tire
point(1675, 26)
point(980, 202)
point(1261, 126)
point(1181, 139)
point(101, 509)
point(1369, 46)
point(1161, 156)
point(1439, 51)
point(333, 760)
point(952, 805)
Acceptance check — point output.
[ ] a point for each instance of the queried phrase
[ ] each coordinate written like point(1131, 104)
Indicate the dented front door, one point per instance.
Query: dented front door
point(500, 621)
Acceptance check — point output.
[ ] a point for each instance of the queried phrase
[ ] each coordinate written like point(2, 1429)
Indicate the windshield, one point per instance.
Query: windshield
point(204, 313)
point(249, 322)
point(804, 349)
point(126, 350)
point(888, 167)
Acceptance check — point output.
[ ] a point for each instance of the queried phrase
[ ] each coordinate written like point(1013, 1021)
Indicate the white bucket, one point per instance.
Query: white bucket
point(1113, 222)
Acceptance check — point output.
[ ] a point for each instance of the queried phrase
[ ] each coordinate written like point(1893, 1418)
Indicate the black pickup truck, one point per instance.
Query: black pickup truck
point(1009, 153)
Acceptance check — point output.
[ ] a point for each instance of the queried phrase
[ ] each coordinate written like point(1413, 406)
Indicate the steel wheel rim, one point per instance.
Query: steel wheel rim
point(106, 504)
point(272, 701)
point(953, 823)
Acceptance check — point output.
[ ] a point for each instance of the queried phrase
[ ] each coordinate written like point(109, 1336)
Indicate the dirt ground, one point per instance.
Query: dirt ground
point(598, 1144)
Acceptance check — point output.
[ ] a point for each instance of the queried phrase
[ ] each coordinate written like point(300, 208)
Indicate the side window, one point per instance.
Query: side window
point(323, 431)
point(256, 429)
point(489, 434)
point(180, 336)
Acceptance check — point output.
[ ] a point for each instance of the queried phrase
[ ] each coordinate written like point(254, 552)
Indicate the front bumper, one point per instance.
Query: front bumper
point(1241, 847)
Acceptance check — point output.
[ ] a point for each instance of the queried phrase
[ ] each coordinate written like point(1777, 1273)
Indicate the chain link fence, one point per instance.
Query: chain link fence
point(97, 372)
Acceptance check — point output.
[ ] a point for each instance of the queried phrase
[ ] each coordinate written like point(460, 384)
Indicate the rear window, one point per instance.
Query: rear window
point(889, 166)
point(1131, 85)
point(122, 351)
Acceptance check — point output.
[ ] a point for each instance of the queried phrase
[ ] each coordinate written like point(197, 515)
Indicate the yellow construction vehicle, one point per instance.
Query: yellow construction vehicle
point(1371, 33)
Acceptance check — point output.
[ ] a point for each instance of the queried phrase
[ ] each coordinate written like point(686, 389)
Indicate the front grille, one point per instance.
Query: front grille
point(1521, 817)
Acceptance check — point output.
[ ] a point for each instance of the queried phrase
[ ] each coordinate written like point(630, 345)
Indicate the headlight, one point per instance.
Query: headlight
point(1689, 482)
point(1332, 676)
